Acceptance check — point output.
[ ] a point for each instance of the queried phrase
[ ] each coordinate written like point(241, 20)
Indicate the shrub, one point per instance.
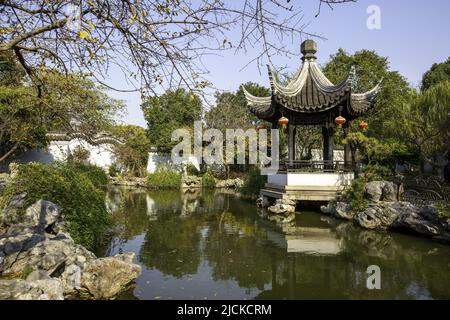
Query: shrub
point(208, 180)
point(70, 186)
point(354, 195)
point(96, 174)
point(376, 172)
point(253, 182)
point(164, 179)
point(443, 210)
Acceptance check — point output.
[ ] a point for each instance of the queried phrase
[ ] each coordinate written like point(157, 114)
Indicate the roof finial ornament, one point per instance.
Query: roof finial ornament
point(308, 49)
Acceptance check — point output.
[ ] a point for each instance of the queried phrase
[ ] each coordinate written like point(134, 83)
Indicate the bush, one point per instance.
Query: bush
point(208, 180)
point(75, 188)
point(164, 179)
point(443, 210)
point(96, 174)
point(376, 172)
point(354, 195)
point(253, 182)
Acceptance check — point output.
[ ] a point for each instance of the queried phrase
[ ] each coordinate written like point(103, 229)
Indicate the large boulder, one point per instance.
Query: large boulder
point(39, 252)
point(104, 278)
point(389, 192)
point(403, 215)
point(339, 209)
point(35, 245)
point(376, 191)
point(380, 215)
point(422, 220)
point(18, 289)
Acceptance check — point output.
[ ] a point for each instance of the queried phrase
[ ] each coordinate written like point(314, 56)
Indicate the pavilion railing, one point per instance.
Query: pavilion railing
point(315, 166)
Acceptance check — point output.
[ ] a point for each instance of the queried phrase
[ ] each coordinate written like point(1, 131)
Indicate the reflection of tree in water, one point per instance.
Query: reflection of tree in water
point(227, 234)
point(236, 248)
point(172, 245)
point(130, 217)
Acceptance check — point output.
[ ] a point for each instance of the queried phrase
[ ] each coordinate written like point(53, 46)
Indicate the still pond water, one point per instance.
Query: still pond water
point(211, 245)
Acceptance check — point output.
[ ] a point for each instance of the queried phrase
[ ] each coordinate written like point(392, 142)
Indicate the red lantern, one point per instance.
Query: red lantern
point(363, 125)
point(340, 120)
point(283, 121)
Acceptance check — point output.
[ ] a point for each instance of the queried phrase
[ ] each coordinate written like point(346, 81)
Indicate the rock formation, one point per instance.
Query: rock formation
point(36, 247)
point(384, 211)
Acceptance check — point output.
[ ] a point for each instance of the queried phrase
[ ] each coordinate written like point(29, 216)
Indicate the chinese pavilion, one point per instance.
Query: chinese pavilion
point(311, 99)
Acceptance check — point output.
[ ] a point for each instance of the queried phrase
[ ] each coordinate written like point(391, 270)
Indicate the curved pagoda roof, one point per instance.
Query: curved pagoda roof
point(310, 92)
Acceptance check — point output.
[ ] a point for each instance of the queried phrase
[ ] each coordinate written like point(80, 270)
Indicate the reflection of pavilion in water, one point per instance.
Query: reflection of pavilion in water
point(307, 246)
point(309, 240)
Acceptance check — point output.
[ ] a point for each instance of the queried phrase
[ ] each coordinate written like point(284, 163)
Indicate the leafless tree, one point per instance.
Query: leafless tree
point(156, 43)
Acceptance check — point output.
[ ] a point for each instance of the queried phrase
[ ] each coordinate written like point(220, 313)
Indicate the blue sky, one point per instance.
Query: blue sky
point(414, 34)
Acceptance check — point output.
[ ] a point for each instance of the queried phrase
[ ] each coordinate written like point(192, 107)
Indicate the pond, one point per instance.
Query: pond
point(212, 245)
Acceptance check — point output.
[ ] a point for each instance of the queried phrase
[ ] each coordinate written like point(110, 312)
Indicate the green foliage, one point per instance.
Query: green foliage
point(11, 73)
point(376, 172)
point(354, 195)
point(424, 121)
point(74, 187)
point(253, 182)
point(208, 180)
point(67, 103)
point(230, 110)
point(19, 121)
point(377, 151)
point(164, 179)
point(438, 72)
point(371, 68)
point(443, 209)
point(133, 153)
point(172, 110)
point(96, 174)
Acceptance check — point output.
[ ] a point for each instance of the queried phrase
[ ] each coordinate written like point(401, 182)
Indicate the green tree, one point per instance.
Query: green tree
point(133, 153)
point(69, 103)
point(19, 121)
point(174, 109)
point(371, 68)
point(438, 72)
point(425, 121)
point(230, 110)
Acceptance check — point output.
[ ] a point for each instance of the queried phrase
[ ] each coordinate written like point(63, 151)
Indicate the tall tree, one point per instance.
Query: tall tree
point(438, 72)
point(230, 109)
point(370, 69)
point(133, 153)
point(71, 103)
point(170, 111)
point(425, 121)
